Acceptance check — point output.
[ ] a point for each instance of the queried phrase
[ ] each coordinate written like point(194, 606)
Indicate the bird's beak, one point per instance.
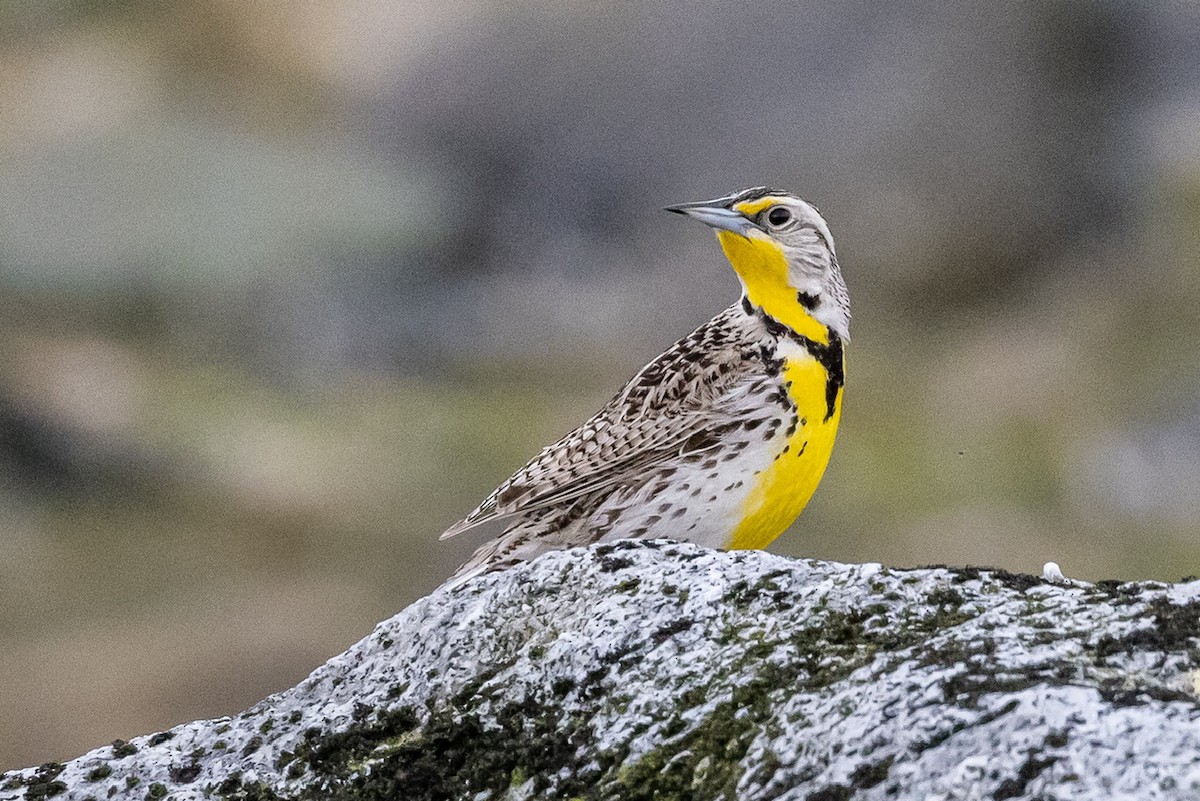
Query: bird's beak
point(710, 212)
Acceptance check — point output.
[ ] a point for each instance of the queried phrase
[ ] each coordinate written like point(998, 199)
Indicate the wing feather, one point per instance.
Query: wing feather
point(676, 405)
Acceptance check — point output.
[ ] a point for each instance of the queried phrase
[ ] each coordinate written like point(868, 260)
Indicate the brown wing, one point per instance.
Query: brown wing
point(677, 404)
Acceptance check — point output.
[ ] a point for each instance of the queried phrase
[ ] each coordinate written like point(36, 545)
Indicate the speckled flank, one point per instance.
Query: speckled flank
point(784, 487)
point(635, 670)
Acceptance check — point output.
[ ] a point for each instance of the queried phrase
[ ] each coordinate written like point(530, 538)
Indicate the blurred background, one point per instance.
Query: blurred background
point(286, 288)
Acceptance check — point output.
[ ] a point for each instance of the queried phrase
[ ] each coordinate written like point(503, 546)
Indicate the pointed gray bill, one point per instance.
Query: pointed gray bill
point(716, 216)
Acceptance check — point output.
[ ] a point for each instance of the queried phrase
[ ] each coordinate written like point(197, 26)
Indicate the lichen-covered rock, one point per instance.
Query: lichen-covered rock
point(665, 671)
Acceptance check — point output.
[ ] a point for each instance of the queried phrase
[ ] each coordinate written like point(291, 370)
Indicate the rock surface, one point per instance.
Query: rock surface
point(659, 670)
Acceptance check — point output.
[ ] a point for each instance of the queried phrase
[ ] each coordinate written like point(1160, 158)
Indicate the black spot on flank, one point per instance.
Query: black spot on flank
point(786, 448)
point(803, 421)
point(699, 441)
point(712, 499)
point(650, 521)
point(679, 512)
point(806, 300)
point(663, 508)
point(723, 429)
point(709, 464)
point(696, 491)
point(750, 425)
point(746, 306)
point(800, 452)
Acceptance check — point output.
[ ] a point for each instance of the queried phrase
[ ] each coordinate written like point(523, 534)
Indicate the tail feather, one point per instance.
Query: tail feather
point(529, 538)
point(457, 528)
point(489, 557)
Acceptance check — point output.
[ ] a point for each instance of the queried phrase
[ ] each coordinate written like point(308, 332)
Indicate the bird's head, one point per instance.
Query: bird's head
point(783, 253)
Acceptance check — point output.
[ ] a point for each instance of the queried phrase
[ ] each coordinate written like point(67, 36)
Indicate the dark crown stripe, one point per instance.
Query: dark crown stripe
point(754, 193)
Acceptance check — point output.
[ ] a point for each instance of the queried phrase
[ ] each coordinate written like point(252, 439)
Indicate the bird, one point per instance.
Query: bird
point(723, 438)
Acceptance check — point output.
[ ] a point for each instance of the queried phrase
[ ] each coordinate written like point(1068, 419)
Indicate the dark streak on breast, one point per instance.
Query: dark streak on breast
point(829, 356)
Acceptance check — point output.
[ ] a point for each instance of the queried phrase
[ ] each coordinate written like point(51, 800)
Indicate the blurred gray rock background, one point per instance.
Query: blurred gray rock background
point(284, 290)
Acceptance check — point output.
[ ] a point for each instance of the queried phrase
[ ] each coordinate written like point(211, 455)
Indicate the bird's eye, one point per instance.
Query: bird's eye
point(779, 216)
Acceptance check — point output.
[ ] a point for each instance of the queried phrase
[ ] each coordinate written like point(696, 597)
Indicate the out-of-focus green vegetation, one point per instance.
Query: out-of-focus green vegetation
point(285, 290)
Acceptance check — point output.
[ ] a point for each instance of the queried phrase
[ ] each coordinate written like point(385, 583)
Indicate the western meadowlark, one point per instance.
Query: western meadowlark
point(723, 438)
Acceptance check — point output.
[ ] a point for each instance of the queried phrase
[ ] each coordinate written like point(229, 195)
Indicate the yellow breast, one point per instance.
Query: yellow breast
point(783, 489)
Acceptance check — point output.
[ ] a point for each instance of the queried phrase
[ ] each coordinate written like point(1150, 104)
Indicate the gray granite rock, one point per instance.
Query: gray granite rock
point(666, 671)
